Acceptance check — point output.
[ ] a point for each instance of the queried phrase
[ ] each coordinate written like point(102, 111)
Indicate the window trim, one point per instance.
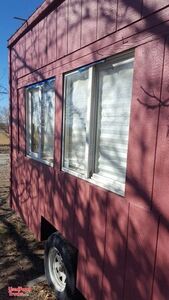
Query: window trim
point(30, 154)
point(93, 177)
point(88, 133)
point(104, 184)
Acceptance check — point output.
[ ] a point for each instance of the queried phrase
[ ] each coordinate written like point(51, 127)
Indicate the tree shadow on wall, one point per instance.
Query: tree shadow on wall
point(117, 251)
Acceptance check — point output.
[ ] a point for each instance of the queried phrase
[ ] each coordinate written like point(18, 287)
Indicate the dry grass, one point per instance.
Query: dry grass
point(4, 138)
point(42, 291)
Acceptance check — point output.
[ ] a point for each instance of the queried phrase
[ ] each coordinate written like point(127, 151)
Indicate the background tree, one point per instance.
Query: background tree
point(4, 111)
point(3, 91)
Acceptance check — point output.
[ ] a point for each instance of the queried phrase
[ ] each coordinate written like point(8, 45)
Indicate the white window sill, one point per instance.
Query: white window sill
point(113, 186)
point(45, 162)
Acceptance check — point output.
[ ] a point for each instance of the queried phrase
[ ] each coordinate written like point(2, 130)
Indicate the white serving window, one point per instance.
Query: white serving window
point(96, 122)
point(40, 106)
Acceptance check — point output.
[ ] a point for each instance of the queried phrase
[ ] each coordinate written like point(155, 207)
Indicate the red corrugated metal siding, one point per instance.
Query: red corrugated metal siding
point(96, 243)
point(63, 40)
point(51, 28)
point(14, 127)
point(35, 48)
point(141, 246)
point(62, 29)
point(161, 279)
point(150, 6)
point(42, 39)
point(115, 248)
point(69, 201)
point(46, 192)
point(21, 122)
point(128, 12)
point(74, 25)
point(81, 221)
point(21, 53)
point(34, 197)
point(161, 186)
point(122, 242)
point(142, 139)
point(28, 50)
point(89, 22)
point(56, 209)
point(106, 17)
point(161, 190)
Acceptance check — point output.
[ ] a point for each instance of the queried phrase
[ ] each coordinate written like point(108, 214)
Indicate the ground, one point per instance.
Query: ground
point(21, 256)
point(4, 138)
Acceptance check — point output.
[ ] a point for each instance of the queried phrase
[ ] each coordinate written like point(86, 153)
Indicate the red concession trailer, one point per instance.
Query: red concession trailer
point(89, 104)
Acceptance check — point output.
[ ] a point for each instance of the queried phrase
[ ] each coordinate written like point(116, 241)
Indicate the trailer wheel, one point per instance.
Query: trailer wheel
point(58, 267)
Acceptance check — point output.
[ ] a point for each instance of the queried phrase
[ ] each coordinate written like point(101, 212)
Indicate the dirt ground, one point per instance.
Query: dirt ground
point(21, 256)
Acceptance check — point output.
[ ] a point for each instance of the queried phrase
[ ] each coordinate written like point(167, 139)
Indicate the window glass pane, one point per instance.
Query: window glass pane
point(40, 120)
point(77, 94)
point(47, 121)
point(35, 112)
point(115, 88)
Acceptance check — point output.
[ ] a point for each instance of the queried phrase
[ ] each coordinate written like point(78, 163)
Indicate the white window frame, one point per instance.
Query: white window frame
point(91, 176)
point(29, 152)
point(88, 135)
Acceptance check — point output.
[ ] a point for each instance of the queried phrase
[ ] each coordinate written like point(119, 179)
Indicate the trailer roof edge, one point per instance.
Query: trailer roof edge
point(35, 17)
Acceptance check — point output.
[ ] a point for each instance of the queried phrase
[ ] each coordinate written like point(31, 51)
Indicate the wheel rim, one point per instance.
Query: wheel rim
point(57, 269)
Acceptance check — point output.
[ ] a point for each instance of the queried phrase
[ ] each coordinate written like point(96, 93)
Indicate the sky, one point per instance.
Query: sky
point(8, 25)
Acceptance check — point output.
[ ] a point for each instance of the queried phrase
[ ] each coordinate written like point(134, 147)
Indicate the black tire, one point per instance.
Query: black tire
point(56, 245)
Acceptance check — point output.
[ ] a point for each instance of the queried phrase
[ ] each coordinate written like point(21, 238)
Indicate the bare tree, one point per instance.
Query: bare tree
point(4, 111)
point(3, 90)
point(3, 93)
point(4, 116)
